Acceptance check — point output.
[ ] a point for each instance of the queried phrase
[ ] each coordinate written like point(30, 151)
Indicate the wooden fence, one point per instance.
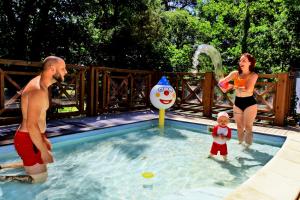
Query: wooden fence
point(65, 99)
point(200, 93)
point(93, 90)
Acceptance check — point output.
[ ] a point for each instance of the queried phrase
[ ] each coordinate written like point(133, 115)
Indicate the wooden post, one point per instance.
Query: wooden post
point(91, 92)
point(281, 99)
point(207, 98)
point(291, 88)
point(1, 90)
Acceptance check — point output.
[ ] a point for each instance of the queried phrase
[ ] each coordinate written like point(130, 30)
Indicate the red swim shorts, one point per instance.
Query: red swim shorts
point(28, 152)
point(215, 148)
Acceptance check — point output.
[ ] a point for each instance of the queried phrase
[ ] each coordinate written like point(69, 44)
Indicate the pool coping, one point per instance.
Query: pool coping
point(279, 179)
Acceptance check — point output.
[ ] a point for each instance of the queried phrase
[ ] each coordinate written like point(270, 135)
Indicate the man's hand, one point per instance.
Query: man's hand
point(48, 144)
point(47, 157)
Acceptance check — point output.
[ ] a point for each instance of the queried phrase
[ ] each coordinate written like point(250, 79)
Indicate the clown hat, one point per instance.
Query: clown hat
point(163, 81)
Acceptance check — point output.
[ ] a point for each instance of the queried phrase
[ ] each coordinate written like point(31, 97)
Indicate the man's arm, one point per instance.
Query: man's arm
point(37, 101)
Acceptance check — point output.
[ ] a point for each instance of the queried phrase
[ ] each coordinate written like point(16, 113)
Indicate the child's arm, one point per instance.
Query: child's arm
point(215, 132)
point(228, 136)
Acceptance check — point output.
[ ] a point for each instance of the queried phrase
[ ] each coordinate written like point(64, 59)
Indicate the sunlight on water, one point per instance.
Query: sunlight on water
point(111, 168)
point(215, 57)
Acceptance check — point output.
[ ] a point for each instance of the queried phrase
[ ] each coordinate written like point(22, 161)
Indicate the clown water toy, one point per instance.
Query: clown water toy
point(162, 96)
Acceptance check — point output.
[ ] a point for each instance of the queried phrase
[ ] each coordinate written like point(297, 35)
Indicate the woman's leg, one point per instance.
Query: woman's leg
point(239, 120)
point(249, 117)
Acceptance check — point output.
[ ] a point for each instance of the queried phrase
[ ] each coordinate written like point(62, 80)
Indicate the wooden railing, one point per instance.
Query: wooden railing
point(69, 98)
point(117, 90)
point(200, 93)
point(66, 99)
point(93, 90)
point(272, 94)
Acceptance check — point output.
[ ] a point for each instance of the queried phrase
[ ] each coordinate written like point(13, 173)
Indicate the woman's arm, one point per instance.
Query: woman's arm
point(229, 77)
point(223, 83)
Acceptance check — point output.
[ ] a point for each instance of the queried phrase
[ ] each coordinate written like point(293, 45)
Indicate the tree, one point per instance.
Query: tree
point(292, 23)
point(226, 19)
point(182, 33)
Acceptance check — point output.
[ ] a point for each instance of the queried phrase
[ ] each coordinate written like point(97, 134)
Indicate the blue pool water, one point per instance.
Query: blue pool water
point(108, 164)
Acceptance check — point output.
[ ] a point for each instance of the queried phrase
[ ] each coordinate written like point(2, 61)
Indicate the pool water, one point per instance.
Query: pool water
point(108, 164)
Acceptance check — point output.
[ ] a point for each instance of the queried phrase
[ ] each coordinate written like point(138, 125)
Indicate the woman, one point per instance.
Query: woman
point(245, 107)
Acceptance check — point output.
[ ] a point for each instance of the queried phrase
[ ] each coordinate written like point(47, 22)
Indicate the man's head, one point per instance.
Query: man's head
point(223, 118)
point(56, 67)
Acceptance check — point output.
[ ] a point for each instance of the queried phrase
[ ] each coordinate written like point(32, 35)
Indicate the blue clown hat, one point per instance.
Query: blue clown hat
point(163, 81)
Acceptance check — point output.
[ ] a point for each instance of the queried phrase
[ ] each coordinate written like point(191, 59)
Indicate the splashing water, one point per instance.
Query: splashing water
point(215, 57)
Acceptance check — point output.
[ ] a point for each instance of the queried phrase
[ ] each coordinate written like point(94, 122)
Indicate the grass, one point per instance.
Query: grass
point(67, 109)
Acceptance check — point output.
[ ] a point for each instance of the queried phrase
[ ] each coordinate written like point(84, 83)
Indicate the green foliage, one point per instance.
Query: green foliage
point(180, 58)
point(225, 18)
point(181, 32)
point(161, 35)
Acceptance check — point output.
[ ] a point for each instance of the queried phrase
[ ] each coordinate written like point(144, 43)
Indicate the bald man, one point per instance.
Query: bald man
point(30, 140)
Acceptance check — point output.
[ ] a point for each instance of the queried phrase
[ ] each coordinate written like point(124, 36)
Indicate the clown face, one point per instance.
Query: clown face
point(162, 96)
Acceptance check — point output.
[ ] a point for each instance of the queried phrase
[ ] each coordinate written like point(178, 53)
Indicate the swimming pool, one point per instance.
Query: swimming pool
point(109, 163)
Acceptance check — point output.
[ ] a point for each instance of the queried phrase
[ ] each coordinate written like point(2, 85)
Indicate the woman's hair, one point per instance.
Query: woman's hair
point(252, 61)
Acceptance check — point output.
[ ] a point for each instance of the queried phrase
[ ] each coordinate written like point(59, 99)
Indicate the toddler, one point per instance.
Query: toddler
point(221, 133)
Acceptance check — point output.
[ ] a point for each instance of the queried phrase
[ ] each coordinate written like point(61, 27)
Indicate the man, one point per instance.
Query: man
point(30, 140)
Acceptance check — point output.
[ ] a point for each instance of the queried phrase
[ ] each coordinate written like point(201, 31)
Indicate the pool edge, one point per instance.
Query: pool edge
point(278, 179)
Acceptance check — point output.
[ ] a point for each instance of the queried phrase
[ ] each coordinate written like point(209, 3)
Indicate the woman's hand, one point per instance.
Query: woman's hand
point(225, 86)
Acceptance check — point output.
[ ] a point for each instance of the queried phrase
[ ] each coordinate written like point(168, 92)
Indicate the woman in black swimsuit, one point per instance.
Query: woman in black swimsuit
point(245, 107)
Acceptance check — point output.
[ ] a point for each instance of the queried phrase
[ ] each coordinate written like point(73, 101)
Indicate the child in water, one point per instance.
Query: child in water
point(221, 133)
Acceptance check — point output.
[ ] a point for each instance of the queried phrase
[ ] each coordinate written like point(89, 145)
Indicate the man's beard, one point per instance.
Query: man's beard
point(58, 77)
